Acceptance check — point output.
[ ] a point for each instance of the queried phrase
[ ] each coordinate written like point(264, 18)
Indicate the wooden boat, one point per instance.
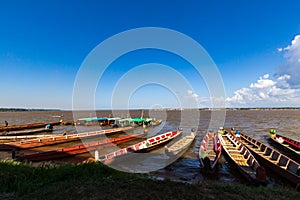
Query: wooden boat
point(23, 137)
point(26, 131)
point(242, 158)
point(78, 149)
point(141, 121)
point(144, 146)
point(33, 143)
point(112, 120)
point(27, 126)
point(90, 121)
point(156, 122)
point(180, 146)
point(273, 159)
point(135, 122)
point(122, 122)
point(290, 146)
point(210, 151)
point(156, 141)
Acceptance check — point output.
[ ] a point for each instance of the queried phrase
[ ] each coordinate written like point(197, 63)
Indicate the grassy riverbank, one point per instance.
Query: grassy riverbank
point(96, 181)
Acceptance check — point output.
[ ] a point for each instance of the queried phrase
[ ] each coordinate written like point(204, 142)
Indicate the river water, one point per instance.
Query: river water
point(255, 123)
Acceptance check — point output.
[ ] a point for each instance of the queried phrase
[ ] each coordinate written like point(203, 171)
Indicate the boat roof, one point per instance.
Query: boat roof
point(138, 120)
point(141, 120)
point(114, 118)
point(91, 119)
point(125, 119)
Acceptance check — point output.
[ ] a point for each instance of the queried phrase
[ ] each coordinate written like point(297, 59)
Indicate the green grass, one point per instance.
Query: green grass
point(97, 181)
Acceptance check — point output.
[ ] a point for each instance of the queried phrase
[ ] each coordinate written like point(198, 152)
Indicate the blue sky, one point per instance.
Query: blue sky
point(254, 44)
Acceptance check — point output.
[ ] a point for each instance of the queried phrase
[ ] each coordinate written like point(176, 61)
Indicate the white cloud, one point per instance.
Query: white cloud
point(281, 90)
point(292, 65)
point(266, 76)
point(263, 82)
point(192, 94)
point(266, 92)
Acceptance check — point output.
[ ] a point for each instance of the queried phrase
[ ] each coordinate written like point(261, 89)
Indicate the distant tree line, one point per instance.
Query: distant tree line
point(24, 110)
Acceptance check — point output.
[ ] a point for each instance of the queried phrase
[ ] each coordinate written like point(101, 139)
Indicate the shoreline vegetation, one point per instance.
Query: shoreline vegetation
point(94, 180)
point(61, 110)
point(25, 110)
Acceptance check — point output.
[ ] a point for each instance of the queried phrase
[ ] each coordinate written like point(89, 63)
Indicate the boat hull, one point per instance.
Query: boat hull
point(78, 149)
point(285, 147)
point(180, 146)
point(60, 139)
point(279, 163)
point(28, 126)
point(210, 151)
point(239, 155)
point(25, 132)
point(140, 147)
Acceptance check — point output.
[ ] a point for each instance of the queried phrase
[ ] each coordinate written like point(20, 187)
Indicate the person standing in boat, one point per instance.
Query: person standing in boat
point(211, 133)
point(235, 132)
point(222, 131)
point(49, 127)
point(6, 123)
point(272, 133)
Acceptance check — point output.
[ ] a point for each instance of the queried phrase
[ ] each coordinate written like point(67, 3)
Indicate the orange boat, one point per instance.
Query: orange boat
point(39, 142)
point(27, 126)
point(26, 131)
point(78, 149)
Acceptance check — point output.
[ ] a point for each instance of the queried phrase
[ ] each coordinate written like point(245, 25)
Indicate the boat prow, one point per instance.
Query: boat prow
point(180, 146)
point(209, 152)
point(279, 163)
point(242, 159)
point(287, 145)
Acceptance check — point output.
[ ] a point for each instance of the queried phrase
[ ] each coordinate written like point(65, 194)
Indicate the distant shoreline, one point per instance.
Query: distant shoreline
point(162, 109)
point(25, 110)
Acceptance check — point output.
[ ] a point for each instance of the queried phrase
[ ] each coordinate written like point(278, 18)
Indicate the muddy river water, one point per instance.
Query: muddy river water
point(255, 123)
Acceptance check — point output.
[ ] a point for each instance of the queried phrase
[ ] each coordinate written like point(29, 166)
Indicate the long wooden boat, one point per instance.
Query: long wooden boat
point(135, 122)
point(33, 143)
point(26, 131)
point(288, 145)
point(27, 126)
point(180, 146)
point(122, 122)
point(243, 160)
point(144, 146)
point(156, 141)
point(22, 137)
point(279, 163)
point(156, 122)
point(92, 121)
point(78, 149)
point(141, 121)
point(210, 151)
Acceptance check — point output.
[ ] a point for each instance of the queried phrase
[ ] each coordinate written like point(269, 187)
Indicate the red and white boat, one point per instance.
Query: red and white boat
point(144, 146)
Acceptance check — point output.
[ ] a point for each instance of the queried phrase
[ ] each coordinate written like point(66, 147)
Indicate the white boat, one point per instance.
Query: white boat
point(181, 145)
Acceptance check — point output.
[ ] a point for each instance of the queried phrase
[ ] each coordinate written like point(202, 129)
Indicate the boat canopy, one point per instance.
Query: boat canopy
point(92, 119)
point(139, 120)
point(125, 120)
point(113, 119)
